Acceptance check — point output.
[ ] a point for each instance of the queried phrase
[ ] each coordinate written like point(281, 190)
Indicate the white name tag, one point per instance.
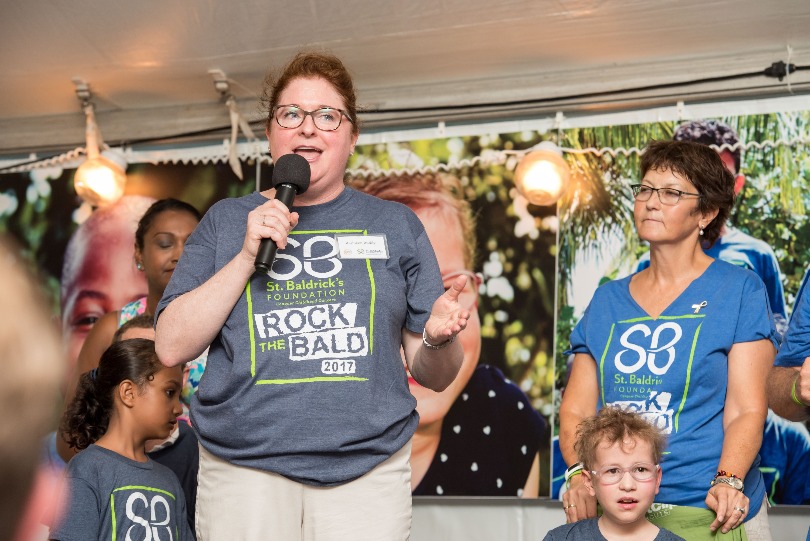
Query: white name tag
point(362, 246)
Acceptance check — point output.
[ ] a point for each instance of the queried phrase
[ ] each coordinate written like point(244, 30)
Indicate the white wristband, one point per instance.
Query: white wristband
point(578, 467)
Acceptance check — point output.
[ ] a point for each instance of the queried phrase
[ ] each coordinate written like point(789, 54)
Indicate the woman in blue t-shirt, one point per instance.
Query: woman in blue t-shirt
point(686, 343)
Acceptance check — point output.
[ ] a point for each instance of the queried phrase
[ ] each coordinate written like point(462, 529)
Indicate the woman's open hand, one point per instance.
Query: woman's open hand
point(447, 317)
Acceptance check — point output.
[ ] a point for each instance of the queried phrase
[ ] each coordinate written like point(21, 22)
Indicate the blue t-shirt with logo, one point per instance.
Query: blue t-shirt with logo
point(110, 496)
point(673, 369)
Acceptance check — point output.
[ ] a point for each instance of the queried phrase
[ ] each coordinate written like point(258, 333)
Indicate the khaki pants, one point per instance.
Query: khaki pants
point(757, 528)
point(236, 503)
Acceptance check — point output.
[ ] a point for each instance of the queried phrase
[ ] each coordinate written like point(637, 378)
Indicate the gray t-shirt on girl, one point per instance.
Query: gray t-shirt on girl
point(110, 496)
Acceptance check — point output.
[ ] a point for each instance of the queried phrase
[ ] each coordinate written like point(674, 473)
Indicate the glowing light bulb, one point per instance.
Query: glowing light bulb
point(100, 180)
point(542, 175)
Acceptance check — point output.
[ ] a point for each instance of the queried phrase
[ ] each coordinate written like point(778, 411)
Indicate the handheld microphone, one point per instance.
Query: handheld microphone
point(290, 177)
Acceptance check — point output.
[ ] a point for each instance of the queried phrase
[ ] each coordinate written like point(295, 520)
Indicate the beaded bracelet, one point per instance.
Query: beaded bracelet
point(724, 473)
point(794, 395)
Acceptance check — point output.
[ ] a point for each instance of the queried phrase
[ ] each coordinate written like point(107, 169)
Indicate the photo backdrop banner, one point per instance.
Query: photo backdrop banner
point(495, 429)
point(538, 267)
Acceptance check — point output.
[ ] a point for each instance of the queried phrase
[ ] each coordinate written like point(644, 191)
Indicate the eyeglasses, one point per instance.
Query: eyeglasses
point(667, 196)
point(641, 471)
point(325, 118)
point(468, 298)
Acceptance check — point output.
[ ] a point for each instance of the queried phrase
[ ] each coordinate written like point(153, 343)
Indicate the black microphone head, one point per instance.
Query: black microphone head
point(292, 169)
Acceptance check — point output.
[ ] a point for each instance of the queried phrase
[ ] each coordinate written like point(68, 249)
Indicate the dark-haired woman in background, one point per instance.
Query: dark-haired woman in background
point(159, 240)
point(687, 343)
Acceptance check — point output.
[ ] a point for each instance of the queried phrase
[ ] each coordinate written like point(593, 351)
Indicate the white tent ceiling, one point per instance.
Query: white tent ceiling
point(147, 62)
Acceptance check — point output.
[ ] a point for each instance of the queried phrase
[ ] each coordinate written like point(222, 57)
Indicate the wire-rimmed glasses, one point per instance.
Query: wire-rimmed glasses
point(468, 298)
point(667, 196)
point(640, 471)
point(325, 118)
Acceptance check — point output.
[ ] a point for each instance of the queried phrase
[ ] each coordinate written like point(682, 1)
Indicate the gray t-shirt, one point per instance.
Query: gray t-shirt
point(110, 496)
point(306, 377)
point(588, 530)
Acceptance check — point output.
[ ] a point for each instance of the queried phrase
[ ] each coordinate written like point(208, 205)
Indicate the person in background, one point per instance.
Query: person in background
point(789, 378)
point(32, 367)
point(733, 245)
point(620, 453)
point(159, 240)
point(304, 414)
point(480, 436)
point(99, 273)
point(112, 485)
point(140, 326)
point(687, 343)
point(785, 461)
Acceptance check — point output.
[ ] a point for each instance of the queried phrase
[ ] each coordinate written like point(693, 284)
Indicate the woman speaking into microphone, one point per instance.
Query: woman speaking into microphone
point(304, 414)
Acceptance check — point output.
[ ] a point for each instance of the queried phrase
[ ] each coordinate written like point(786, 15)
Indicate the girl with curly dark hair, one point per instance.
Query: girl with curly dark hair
point(113, 485)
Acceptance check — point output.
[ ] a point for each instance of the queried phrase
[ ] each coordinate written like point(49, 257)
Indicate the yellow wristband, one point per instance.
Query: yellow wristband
point(795, 396)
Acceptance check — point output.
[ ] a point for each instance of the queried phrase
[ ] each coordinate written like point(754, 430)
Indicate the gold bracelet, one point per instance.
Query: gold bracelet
point(794, 396)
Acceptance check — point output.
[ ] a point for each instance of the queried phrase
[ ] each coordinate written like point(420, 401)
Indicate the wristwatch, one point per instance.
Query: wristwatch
point(733, 482)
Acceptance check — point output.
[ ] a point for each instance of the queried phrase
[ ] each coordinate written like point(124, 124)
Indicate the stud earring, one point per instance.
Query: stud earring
point(139, 265)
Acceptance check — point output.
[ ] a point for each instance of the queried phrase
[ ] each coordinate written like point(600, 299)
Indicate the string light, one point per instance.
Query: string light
point(100, 180)
point(252, 150)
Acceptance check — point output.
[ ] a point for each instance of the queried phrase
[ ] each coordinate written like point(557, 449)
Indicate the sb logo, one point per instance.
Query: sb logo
point(669, 333)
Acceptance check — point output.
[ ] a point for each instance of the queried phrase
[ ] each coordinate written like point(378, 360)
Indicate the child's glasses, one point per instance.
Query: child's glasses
point(641, 471)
